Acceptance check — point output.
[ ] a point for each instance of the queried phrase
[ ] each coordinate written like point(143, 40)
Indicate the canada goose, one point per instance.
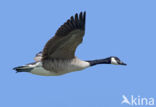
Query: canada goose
point(58, 56)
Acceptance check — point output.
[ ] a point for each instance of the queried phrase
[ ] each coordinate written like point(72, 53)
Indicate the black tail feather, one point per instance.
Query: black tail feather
point(22, 69)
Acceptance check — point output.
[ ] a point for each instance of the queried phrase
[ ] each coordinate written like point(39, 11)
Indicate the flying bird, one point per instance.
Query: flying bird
point(58, 56)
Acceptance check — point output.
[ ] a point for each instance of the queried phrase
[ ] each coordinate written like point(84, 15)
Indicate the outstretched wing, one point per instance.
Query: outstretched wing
point(63, 45)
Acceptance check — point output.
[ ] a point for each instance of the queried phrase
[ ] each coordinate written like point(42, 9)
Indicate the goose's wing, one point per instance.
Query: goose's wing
point(38, 56)
point(66, 39)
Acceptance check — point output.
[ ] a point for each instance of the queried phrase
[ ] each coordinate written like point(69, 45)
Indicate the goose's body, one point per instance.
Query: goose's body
point(57, 67)
point(58, 56)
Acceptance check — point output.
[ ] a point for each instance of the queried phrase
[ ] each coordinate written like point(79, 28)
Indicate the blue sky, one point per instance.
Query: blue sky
point(123, 28)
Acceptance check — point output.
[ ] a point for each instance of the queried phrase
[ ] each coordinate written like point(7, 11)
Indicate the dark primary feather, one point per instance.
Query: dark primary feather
point(77, 22)
point(66, 39)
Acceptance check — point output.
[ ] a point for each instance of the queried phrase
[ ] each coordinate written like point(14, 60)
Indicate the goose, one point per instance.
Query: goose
point(58, 56)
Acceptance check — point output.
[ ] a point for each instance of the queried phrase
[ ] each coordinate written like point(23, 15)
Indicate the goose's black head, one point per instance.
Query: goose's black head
point(116, 61)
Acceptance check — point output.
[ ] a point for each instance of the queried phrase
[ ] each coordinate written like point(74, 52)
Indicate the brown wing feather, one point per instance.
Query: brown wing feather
point(66, 39)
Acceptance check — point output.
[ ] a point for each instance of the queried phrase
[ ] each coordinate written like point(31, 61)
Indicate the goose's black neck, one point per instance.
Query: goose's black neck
point(100, 61)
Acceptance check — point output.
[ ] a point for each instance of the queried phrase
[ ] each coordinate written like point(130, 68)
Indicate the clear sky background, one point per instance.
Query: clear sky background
point(123, 28)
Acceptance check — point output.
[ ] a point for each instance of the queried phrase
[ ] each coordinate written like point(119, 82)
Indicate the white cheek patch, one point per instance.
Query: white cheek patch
point(113, 61)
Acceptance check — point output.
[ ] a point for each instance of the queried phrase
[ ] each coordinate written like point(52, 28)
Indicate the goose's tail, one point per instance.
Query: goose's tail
point(22, 69)
point(26, 68)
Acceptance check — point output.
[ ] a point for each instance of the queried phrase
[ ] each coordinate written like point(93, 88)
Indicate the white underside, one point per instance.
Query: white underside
point(41, 71)
point(67, 67)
